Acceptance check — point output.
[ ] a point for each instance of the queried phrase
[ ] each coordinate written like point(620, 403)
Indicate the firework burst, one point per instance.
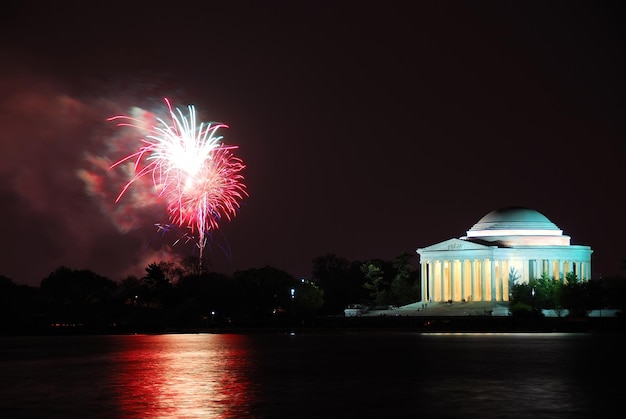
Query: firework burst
point(195, 174)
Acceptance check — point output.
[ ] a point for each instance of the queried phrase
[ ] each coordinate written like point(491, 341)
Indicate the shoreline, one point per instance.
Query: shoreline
point(369, 324)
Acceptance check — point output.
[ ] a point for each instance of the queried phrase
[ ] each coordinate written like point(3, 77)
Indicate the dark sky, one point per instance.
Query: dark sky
point(368, 128)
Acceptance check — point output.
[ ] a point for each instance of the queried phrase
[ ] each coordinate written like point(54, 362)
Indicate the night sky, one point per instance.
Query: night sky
point(368, 128)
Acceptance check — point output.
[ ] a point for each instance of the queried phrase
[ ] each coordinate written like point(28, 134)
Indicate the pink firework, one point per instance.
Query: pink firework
point(198, 177)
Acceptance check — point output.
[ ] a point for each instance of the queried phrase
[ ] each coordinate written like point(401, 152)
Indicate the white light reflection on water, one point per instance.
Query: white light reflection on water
point(513, 374)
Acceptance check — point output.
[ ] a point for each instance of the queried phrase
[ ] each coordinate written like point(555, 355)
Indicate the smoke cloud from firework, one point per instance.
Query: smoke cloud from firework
point(58, 195)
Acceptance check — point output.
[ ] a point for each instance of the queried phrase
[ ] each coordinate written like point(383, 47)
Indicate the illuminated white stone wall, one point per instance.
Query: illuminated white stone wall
point(508, 246)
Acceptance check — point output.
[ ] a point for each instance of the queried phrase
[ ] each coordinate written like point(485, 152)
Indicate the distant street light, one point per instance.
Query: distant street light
point(293, 296)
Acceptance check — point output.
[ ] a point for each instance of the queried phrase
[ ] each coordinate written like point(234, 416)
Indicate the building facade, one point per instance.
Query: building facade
point(508, 246)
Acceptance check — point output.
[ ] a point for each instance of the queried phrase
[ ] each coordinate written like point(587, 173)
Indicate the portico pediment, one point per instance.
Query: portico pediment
point(453, 245)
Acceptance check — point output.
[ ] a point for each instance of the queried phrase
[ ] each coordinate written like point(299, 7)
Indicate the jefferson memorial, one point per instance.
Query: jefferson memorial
point(508, 246)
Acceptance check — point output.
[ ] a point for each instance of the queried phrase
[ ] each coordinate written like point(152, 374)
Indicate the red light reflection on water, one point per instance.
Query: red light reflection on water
point(184, 376)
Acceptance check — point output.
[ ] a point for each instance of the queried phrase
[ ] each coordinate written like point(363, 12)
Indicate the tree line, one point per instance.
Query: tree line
point(569, 295)
point(186, 295)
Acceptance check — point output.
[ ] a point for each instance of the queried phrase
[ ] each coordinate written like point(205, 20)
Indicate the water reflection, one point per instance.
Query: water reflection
point(184, 376)
point(514, 374)
point(317, 375)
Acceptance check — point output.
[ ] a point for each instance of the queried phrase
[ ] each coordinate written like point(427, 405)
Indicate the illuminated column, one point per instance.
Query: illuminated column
point(451, 281)
point(493, 280)
point(498, 280)
point(473, 289)
point(499, 269)
point(557, 271)
point(505, 282)
point(431, 281)
point(463, 296)
point(550, 268)
point(441, 280)
point(569, 267)
point(483, 280)
point(579, 270)
point(424, 279)
point(561, 271)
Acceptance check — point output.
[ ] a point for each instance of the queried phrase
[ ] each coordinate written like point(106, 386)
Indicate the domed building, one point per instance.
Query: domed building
point(507, 246)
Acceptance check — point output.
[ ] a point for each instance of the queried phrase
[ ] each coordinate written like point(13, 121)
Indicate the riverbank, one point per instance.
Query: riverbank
point(427, 323)
point(467, 324)
point(432, 318)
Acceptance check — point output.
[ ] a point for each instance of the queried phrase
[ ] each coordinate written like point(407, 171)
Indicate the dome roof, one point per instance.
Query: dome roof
point(514, 218)
point(517, 226)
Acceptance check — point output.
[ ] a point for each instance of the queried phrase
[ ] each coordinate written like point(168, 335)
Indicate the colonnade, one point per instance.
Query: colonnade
point(489, 279)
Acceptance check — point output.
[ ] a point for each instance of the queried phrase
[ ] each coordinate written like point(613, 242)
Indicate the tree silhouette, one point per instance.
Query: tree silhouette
point(332, 275)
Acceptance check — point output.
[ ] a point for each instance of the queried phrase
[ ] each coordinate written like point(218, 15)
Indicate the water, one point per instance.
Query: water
point(316, 375)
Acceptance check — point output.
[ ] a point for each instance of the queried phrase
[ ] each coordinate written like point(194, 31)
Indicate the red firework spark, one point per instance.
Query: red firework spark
point(198, 177)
